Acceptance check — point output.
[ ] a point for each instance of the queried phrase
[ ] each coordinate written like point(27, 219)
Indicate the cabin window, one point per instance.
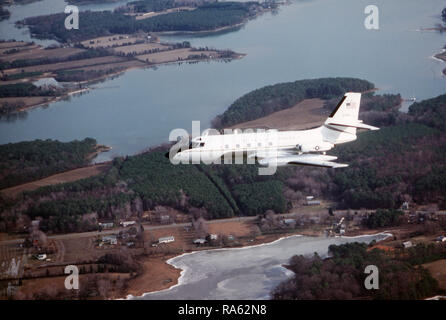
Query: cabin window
point(202, 144)
point(249, 145)
point(270, 143)
point(259, 144)
point(237, 145)
point(226, 146)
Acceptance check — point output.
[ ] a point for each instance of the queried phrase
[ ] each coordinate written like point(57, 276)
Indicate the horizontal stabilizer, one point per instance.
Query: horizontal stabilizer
point(350, 124)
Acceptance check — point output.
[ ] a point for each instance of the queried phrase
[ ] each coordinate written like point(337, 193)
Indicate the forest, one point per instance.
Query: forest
point(4, 13)
point(341, 276)
point(93, 24)
point(138, 183)
point(382, 218)
point(26, 90)
point(32, 160)
point(150, 5)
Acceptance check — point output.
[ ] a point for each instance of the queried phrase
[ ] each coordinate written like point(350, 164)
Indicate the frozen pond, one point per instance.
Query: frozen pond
point(244, 273)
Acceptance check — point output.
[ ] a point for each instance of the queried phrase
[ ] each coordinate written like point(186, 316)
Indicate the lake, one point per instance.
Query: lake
point(306, 39)
point(244, 273)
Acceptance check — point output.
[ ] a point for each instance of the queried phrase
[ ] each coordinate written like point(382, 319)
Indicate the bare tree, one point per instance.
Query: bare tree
point(200, 227)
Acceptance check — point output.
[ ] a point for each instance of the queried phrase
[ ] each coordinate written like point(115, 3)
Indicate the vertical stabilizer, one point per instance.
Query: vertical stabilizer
point(341, 125)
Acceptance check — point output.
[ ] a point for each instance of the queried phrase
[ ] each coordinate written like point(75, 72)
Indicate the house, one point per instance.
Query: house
point(313, 203)
point(41, 256)
point(309, 198)
point(145, 215)
point(164, 218)
point(213, 236)
point(289, 222)
point(127, 223)
point(200, 241)
point(106, 225)
point(407, 244)
point(110, 239)
point(405, 205)
point(166, 239)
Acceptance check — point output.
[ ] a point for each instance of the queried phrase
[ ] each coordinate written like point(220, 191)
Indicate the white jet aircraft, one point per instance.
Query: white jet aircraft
point(284, 148)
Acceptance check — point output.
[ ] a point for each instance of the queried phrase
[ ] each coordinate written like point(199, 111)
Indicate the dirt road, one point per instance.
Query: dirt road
point(116, 230)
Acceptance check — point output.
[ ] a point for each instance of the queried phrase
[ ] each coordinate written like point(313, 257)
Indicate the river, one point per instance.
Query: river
point(306, 39)
point(244, 273)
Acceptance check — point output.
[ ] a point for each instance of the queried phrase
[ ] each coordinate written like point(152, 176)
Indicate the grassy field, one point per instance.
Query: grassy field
point(67, 176)
point(37, 52)
point(145, 15)
point(438, 271)
point(67, 65)
point(306, 114)
point(176, 55)
point(140, 47)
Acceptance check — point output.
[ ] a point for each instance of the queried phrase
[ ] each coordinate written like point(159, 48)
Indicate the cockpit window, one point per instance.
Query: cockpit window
point(196, 144)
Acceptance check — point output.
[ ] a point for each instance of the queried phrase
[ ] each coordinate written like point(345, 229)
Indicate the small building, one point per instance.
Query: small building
point(166, 239)
point(127, 223)
point(289, 222)
point(407, 244)
point(309, 198)
point(165, 218)
point(41, 257)
point(313, 202)
point(405, 205)
point(110, 239)
point(106, 225)
point(213, 236)
point(200, 241)
point(145, 215)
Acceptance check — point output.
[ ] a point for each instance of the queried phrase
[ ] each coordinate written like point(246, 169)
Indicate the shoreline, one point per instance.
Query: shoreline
point(110, 76)
point(201, 32)
point(440, 57)
point(182, 271)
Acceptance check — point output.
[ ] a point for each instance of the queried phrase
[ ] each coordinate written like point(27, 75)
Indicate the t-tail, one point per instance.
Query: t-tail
point(341, 125)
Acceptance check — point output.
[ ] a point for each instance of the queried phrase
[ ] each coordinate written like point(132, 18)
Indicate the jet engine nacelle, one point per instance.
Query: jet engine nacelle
point(314, 147)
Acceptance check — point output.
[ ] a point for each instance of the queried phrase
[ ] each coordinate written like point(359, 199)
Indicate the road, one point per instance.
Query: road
point(146, 226)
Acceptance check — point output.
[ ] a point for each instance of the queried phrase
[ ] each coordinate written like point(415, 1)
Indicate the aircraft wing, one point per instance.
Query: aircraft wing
point(283, 158)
